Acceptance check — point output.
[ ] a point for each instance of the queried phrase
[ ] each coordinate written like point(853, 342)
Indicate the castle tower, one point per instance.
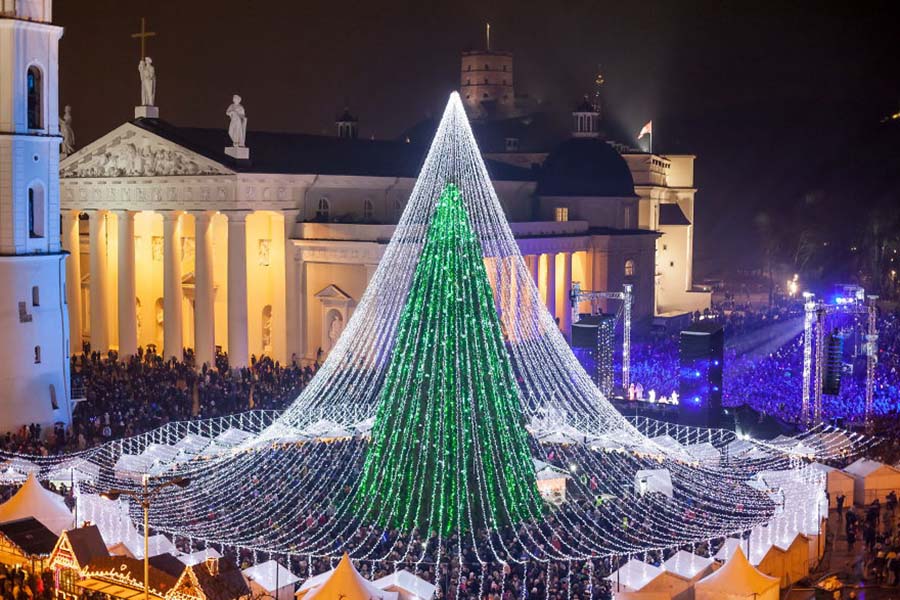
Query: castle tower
point(486, 81)
point(34, 381)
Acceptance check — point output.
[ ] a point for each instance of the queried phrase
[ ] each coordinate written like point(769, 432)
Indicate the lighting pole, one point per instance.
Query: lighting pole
point(144, 496)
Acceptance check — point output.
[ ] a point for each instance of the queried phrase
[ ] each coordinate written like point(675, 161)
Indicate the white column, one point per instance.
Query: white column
point(534, 265)
point(238, 352)
point(72, 241)
point(566, 320)
point(551, 283)
point(99, 304)
point(302, 330)
point(292, 300)
point(173, 338)
point(204, 301)
point(127, 292)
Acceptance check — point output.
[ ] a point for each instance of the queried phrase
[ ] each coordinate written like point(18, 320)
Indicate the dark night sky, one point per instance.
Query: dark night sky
point(764, 95)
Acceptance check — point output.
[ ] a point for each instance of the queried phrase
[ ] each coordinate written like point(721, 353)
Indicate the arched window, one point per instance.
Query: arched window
point(629, 268)
point(324, 209)
point(36, 211)
point(34, 92)
point(368, 210)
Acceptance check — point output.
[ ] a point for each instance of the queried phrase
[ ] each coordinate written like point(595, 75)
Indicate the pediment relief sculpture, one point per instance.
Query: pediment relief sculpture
point(139, 156)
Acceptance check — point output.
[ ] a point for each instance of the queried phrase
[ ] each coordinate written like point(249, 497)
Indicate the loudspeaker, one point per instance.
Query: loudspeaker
point(592, 343)
point(834, 353)
point(701, 361)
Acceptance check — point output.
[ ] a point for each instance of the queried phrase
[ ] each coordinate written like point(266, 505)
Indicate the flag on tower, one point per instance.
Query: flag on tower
point(646, 129)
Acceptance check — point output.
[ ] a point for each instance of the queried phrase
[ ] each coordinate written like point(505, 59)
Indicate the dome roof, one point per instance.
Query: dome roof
point(585, 167)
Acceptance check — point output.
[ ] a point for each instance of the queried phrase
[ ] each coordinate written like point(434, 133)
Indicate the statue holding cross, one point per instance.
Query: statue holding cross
point(145, 67)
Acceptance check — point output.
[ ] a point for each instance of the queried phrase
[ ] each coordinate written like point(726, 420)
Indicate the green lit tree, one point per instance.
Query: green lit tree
point(449, 450)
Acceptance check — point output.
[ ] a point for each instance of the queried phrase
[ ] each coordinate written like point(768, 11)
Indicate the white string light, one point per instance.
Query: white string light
point(290, 487)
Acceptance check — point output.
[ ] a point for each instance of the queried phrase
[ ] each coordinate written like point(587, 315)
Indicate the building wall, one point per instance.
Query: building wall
point(34, 372)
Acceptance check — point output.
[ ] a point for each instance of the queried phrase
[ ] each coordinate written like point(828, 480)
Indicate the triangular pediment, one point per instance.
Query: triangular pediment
point(130, 151)
point(333, 292)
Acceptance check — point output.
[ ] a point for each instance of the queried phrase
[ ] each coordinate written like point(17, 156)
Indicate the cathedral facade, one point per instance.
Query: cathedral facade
point(180, 242)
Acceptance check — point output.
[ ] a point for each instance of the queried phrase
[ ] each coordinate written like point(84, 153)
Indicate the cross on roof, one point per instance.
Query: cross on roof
point(143, 34)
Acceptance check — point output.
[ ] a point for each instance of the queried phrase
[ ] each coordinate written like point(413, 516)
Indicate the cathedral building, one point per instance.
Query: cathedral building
point(184, 240)
point(34, 316)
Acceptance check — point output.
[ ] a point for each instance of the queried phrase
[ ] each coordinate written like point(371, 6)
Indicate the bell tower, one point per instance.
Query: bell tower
point(34, 316)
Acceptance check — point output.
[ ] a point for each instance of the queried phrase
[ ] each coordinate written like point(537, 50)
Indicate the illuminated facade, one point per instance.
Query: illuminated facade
point(184, 246)
point(179, 242)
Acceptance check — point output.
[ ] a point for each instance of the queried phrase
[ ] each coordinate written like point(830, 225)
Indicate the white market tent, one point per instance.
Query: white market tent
point(77, 469)
point(160, 452)
point(732, 545)
point(704, 452)
point(653, 480)
point(157, 544)
point(132, 466)
point(667, 442)
point(551, 481)
point(872, 480)
point(271, 579)
point(343, 582)
point(232, 437)
point(407, 586)
point(199, 556)
point(193, 443)
point(633, 576)
point(744, 449)
point(837, 483)
point(737, 580)
point(689, 566)
point(33, 500)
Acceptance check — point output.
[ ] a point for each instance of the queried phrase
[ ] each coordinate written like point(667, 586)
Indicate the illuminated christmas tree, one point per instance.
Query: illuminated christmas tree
point(449, 449)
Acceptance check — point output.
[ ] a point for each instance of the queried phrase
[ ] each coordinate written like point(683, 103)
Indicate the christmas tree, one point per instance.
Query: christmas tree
point(449, 449)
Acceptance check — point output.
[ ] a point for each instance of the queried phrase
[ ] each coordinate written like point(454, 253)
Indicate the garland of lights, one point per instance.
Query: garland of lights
point(415, 439)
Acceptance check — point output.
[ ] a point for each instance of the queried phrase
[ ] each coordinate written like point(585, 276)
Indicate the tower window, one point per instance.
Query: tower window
point(561, 214)
point(629, 268)
point(35, 296)
point(487, 67)
point(368, 210)
point(35, 211)
point(504, 68)
point(35, 108)
point(468, 67)
point(324, 210)
point(37, 355)
point(512, 144)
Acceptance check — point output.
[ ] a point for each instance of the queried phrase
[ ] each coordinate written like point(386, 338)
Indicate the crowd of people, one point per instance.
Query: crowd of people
point(773, 384)
point(125, 397)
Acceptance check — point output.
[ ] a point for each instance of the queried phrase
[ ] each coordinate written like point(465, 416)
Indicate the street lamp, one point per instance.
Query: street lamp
point(144, 496)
